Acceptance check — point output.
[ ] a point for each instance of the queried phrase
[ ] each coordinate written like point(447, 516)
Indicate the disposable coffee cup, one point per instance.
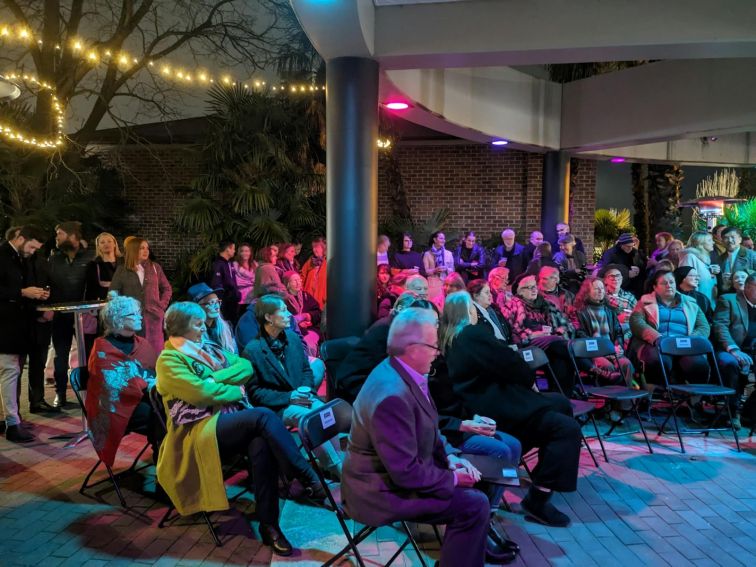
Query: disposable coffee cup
point(485, 420)
point(546, 329)
point(305, 390)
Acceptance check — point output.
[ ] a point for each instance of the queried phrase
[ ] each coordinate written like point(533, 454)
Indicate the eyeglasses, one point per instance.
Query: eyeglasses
point(435, 348)
point(132, 315)
point(212, 303)
point(528, 287)
point(614, 276)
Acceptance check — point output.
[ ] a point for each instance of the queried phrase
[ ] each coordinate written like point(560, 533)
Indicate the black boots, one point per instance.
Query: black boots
point(537, 505)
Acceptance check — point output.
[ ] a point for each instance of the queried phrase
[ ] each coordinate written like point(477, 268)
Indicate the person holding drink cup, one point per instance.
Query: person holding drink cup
point(283, 380)
point(698, 256)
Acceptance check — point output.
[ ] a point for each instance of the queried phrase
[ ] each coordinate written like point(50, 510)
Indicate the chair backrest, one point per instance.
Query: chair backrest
point(76, 386)
point(534, 357)
point(156, 401)
point(591, 347)
point(324, 423)
point(333, 352)
point(684, 346)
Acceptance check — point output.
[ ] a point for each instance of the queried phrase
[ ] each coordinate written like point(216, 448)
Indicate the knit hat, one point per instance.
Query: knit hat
point(518, 280)
point(625, 238)
point(681, 273)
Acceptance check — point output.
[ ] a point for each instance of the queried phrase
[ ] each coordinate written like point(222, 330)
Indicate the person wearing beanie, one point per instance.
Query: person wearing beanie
point(687, 280)
point(625, 253)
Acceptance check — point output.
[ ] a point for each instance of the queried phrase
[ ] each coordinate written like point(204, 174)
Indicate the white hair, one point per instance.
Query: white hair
point(113, 314)
point(407, 328)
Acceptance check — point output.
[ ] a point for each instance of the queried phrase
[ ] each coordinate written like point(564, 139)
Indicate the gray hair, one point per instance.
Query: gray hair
point(113, 315)
point(407, 327)
point(178, 318)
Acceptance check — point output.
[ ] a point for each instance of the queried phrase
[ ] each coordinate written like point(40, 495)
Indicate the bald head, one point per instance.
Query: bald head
point(417, 285)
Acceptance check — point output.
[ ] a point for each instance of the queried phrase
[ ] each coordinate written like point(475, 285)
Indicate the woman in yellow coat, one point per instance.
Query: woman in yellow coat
point(209, 418)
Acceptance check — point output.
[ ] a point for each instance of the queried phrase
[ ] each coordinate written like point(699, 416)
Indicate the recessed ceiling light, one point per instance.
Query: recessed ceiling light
point(396, 105)
point(617, 160)
point(500, 142)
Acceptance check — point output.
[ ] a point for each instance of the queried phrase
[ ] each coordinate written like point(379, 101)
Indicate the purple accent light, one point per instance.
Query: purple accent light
point(617, 160)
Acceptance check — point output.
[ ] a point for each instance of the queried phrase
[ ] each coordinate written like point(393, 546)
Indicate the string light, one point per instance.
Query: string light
point(383, 143)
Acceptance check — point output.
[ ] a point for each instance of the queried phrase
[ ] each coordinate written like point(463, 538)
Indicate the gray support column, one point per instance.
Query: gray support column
point(555, 195)
point(352, 193)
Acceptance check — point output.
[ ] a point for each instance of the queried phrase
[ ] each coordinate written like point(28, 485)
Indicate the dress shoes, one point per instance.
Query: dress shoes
point(501, 541)
point(495, 555)
point(60, 401)
point(43, 407)
point(17, 434)
point(271, 535)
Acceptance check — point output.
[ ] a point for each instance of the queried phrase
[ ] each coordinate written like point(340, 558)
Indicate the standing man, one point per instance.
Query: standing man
point(563, 229)
point(396, 465)
point(68, 274)
point(15, 323)
point(224, 277)
point(536, 239)
point(509, 254)
point(626, 254)
point(734, 258)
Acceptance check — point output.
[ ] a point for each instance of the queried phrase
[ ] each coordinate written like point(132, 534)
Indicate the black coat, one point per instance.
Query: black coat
point(451, 411)
point(491, 379)
point(583, 327)
point(616, 255)
point(15, 320)
point(272, 382)
point(360, 362)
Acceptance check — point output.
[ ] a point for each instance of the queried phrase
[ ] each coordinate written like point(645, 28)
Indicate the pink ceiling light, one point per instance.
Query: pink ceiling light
point(617, 160)
point(396, 105)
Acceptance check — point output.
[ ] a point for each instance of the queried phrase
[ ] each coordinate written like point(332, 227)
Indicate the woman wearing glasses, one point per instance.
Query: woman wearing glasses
point(536, 321)
point(491, 380)
point(218, 330)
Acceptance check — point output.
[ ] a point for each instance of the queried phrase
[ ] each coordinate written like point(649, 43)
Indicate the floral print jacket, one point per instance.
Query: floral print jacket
point(527, 318)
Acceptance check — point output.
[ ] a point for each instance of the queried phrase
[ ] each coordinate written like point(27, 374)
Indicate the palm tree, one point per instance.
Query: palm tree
point(265, 176)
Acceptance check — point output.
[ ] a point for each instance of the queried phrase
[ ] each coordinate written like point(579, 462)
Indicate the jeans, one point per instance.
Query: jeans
point(62, 337)
point(502, 446)
point(10, 373)
point(729, 368)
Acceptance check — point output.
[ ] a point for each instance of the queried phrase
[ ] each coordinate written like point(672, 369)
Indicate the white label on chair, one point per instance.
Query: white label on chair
point(591, 346)
point(527, 355)
point(682, 342)
point(327, 418)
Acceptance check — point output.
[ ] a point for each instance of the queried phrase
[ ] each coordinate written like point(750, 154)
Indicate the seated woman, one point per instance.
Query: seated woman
point(620, 301)
point(487, 314)
point(687, 280)
point(453, 282)
point(571, 263)
point(121, 370)
point(305, 309)
point(383, 294)
point(217, 329)
point(498, 281)
point(536, 321)
point(283, 380)
point(208, 420)
point(490, 379)
point(541, 257)
point(737, 281)
point(667, 313)
point(594, 318)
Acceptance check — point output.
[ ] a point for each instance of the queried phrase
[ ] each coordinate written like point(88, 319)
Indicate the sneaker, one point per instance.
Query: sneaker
point(17, 434)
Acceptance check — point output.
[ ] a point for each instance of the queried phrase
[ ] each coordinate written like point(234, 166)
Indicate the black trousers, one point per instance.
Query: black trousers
point(693, 369)
point(37, 347)
point(62, 337)
point(557, 436)
point(555, 348)
point(260, 434)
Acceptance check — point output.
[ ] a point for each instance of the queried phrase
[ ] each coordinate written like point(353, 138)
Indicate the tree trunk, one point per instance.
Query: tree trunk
point(639, 174)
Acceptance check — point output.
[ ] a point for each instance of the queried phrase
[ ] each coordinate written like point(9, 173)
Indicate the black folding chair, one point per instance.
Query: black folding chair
point(537, 360)
point(76, 386)
point(319, 427)
point(680, 394)
point(602, 347)
point(157, 405)
point(332, 353)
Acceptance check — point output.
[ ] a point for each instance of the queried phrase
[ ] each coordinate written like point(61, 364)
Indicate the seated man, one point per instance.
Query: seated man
point(667, 313)
point(734, 335)
point(396, 465)
point(282, 379)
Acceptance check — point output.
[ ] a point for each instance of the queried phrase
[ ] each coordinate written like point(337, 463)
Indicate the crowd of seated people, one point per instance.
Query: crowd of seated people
point(237, 364)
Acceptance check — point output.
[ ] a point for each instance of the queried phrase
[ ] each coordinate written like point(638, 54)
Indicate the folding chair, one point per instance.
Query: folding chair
point(157, 406)
point(680, 394)
point(332, 353)
point(319, 427)
point(76, 386)
point(591, 348)
point(537, 360)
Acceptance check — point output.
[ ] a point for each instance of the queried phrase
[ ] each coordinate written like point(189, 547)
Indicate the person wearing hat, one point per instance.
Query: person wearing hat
point(625, 253)
point(620, 301)
point(217, 329)
point(687, 280)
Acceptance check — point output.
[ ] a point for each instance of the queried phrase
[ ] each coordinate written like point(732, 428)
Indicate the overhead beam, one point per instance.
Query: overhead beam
point(505, 32)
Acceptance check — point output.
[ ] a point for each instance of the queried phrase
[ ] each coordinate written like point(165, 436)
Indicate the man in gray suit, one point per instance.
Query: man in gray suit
point(734, 335)
point(396, 465)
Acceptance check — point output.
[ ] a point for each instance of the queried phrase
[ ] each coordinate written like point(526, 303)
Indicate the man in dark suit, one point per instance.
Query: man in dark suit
point(396, 466)
point(16, 319)
point(283, 380)
point(224, 277)
point(509, 254)
point(734, 336)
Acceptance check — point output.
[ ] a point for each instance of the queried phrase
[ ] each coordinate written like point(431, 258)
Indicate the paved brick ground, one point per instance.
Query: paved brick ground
point(640, 509)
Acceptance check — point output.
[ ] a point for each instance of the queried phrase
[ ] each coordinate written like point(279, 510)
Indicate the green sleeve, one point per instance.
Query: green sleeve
point(238, 373)
point(175, 379)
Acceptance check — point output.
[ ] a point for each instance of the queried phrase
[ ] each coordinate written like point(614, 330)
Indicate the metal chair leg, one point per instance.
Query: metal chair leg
point(133, 468)
point(643, 429)
point(166, 516)
point(86, 479)
point(210, 527)
point(598, 436)
point(414, 544)
point(734, 433)
point(590, 451)
point(115, 485)
point(677, 427)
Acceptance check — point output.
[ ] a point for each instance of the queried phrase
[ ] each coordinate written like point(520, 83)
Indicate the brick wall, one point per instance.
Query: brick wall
point(151, 176)
point(486, 189)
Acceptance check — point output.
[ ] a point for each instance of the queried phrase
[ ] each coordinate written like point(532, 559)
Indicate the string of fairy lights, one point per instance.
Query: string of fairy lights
point(87, 53)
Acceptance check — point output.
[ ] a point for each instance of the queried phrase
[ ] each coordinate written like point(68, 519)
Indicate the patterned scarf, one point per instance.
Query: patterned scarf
point(438, 254)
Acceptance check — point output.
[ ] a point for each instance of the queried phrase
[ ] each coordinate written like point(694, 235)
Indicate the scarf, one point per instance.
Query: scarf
point(316, 261)
point(438, 256)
